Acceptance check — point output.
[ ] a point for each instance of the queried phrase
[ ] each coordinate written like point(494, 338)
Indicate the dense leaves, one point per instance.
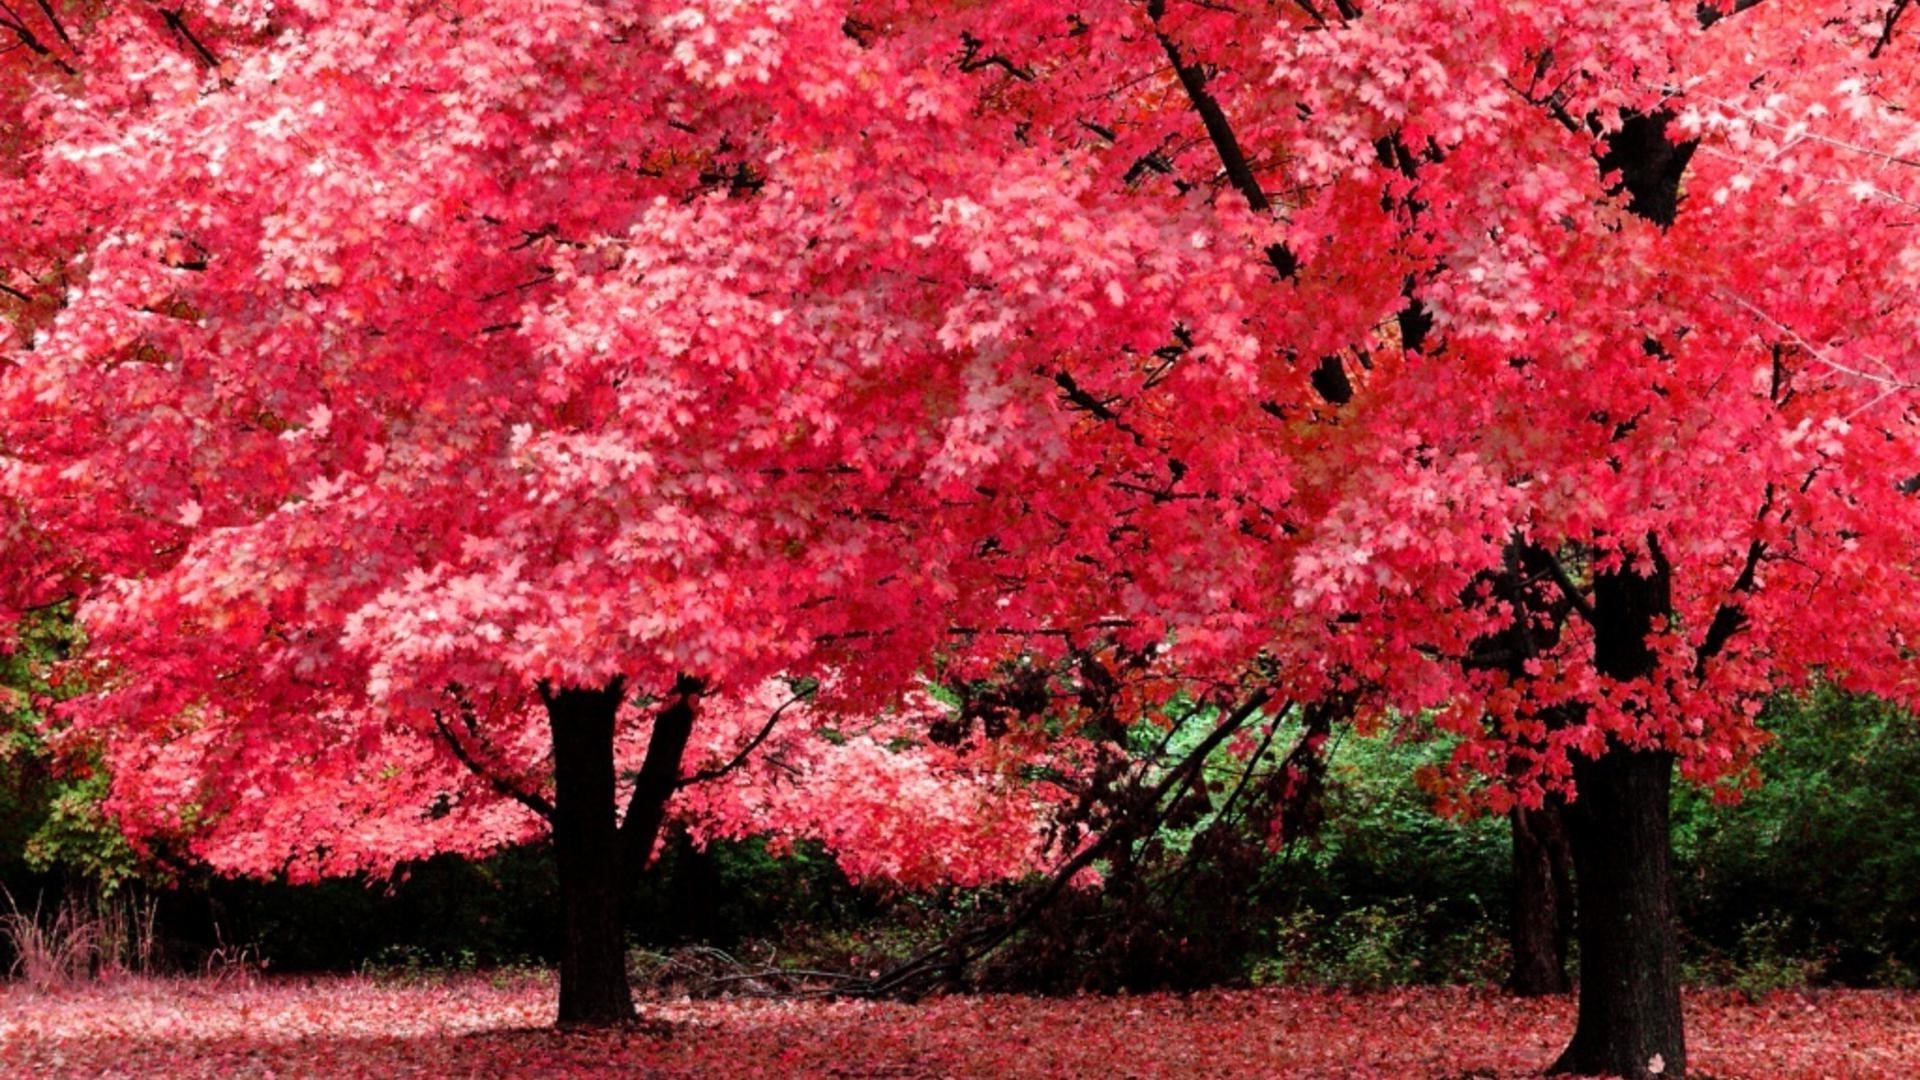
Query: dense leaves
point(374, 368)
point(557, 366)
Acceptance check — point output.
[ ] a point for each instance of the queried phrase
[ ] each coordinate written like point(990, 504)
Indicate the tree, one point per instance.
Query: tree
point(1528, 330)
point(485, 357)
point(411, 429)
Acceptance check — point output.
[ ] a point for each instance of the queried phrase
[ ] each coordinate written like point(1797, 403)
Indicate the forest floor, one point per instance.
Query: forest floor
point(480, 1025)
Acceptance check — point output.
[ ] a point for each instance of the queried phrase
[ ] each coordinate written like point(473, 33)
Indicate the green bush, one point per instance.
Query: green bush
point(1816, 875)
point(1386, 892)
point(1374, 945)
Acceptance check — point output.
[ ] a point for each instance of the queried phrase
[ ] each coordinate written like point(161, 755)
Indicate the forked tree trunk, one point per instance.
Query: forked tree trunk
point(586, 843)
point(1542, 902)
point(1629, 1020)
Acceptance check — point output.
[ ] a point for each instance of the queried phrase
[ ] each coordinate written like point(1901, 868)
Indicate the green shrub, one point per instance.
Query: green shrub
point(1815, 875)
point(1397, 942)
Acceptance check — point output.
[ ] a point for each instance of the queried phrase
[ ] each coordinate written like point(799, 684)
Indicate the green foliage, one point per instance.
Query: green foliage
point(733, 891)
point(444, 913)
point(51, 821)
point(1374, 945)
point(76, 836)
point(1381, 837)
point(1386, 892)
point(1814, 877)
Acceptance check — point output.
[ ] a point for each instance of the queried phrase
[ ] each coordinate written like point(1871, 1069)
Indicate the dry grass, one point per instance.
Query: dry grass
point(80, 940)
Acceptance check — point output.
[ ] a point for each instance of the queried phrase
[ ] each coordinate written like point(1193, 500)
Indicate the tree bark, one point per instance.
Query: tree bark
point(586, 843)
point(658, 779)
point(1619, 823)
point(1542, 902)
point(1629, 1016)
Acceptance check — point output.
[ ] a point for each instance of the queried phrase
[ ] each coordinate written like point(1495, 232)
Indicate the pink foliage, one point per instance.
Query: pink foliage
point(473, 1026)
point(371, 361)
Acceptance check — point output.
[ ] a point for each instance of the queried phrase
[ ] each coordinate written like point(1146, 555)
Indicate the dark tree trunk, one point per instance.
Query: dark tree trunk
point(658, 779)
point(1619, 822)
point(1629, 1020)
point(586, 843)
point(1542, 902)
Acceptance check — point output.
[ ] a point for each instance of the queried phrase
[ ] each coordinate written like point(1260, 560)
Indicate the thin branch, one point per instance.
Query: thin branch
point(1890, 380)
point(1809, 136)
point(171, 16)
point(1567, 587)
point(968, 946)
point(746, 751)
point(500, 784)
point(1080, 398)
point(1315, 724)
point(12, 21)
point(971, 60)
point(1731, 616)
point(1886, 32)
point(1246, 774)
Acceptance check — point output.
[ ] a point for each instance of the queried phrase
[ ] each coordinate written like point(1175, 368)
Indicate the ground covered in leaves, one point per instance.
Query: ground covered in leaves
point(493, 1026)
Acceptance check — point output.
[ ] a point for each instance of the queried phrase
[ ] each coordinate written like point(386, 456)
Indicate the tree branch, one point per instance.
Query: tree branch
point(11, 20)
point(1567, 587)
point(1708, 14)
point(971, 60)
point(1233, 159)
point(53, 20)
point(1329, 378)
point(746, 751)
point(171, 16)
point(1886, 32)
point(1080, 398)
point(970, 945)
point(1731, 616)
point(658, 778)
point(500, 784)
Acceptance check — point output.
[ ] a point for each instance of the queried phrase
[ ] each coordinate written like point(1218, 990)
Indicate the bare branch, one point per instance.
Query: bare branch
point(1886, 32)
point(536, 803)
point(753, 744)
point(971, 60)
point(963, 948)
point(1567, 587)
point(171, 16)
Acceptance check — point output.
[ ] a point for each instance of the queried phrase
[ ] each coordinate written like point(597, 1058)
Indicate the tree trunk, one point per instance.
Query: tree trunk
point(1619, 823)
point(586, 843)
point(1542, 902)
point(1629, 1021)
point(658, 779)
